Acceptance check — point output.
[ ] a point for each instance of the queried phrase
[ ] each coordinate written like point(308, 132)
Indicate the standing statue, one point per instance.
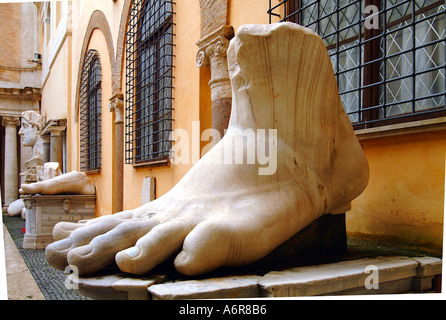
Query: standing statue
point(228, 214)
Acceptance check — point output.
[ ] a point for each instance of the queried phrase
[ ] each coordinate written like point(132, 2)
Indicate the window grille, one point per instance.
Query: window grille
point(390, 74)
point(90, 113)
point(149, 77)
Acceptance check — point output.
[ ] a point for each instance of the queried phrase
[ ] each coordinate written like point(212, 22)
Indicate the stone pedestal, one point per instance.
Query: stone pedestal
point(44, 211)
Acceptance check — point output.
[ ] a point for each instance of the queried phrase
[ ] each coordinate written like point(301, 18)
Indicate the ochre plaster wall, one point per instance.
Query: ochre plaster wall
point(103, 180)
point(55, 93)
point(251, 11)
point(403, 203)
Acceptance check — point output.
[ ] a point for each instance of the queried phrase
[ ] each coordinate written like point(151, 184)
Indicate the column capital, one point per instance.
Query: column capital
point(10, 121)
point(117, 106)
point(52, 126)
point(56, 130)
point(214, 44)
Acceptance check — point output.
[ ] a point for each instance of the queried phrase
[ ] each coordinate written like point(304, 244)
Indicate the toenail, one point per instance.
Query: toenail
point(132, 252)
point(181, 257)
point(84, 250)
point(62, 244)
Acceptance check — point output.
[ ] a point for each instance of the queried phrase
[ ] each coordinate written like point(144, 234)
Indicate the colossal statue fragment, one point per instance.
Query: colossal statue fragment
point(31, 126)
point(232, 214)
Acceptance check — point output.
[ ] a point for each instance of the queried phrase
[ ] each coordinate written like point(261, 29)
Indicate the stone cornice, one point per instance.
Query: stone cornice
point(21, 93)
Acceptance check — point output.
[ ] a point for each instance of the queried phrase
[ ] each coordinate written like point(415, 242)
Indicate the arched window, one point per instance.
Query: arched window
point(90, 113)
point(149, 75)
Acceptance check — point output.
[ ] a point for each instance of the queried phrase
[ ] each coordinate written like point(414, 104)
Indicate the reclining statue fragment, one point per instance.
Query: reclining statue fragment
point(73, 182)
point(228, 214)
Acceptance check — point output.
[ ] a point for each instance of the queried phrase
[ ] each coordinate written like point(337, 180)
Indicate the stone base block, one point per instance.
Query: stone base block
point(324, 240)
point(368, 276)
point(45, 211)
point(229, 287)
point(37, 241)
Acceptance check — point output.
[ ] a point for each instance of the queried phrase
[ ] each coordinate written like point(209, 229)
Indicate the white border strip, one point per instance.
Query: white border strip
point(3, 284)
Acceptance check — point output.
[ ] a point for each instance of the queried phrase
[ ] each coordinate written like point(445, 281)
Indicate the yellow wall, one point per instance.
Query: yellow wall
point(404, 200)
point(55, 93)
point(251, 11)
point(104, 179)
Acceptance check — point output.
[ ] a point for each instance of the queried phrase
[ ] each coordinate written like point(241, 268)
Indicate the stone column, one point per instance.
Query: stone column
point(56, 144)
point(11, 166)
point(212, 53)
point(117, 106)
point(46, 148)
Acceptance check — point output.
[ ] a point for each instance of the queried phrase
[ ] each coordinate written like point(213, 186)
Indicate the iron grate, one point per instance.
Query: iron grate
point(90, 113)
point(149, 81)
point(390, 73)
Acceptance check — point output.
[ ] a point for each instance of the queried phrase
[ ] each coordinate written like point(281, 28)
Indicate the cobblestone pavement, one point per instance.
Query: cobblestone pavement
point(50, 281)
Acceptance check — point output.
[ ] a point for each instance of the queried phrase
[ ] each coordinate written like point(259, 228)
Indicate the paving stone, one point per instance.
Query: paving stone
point(51, 281)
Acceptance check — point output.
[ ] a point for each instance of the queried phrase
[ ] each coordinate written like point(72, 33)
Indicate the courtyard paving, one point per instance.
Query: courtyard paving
point(50, 281)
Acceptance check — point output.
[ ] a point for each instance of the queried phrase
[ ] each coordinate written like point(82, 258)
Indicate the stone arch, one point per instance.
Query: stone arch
point(120, 46)
point(99, 21)
point(214, 14)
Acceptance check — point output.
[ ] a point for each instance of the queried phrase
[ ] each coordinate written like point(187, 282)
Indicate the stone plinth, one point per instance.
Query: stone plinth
point(366, 276)
point(114, 287)
point(229, 287)
point(44, 211)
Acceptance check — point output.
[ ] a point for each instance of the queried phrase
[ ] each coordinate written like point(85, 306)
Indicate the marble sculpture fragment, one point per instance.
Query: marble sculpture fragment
point(223, 214)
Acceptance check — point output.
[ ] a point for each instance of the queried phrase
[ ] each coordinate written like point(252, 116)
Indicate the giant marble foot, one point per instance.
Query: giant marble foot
point(231, 214)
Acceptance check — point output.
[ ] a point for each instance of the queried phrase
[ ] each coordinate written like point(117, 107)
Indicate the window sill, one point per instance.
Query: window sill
point(92, 171)
point(152, 163)
point(428, 125)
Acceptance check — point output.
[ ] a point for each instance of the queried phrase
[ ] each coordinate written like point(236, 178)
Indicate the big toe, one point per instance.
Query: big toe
point(155, 247)
point(56, 253)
